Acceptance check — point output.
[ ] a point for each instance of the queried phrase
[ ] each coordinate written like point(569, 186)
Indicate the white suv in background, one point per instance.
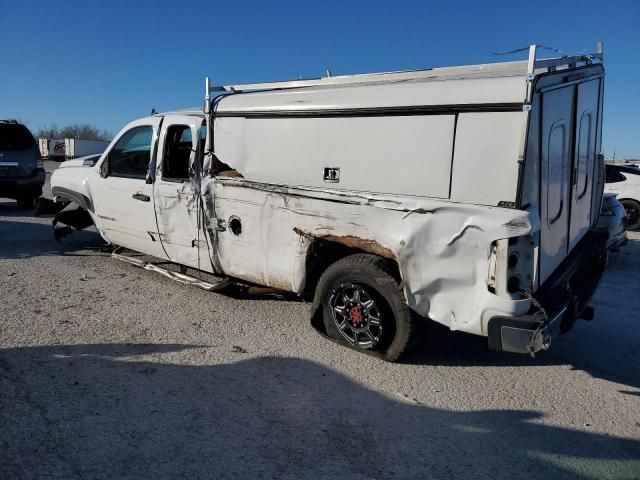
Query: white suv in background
point(624, 181)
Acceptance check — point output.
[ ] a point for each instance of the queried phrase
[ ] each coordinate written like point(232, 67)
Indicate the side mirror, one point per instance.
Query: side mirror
point(104, 168)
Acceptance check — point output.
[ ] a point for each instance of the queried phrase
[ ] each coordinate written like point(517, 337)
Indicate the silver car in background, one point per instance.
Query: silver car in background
point(613, 218)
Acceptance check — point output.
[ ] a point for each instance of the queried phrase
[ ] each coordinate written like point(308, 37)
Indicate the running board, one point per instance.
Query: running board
point(178, 277)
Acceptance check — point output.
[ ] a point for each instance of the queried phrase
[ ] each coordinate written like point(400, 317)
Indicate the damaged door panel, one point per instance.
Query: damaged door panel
point(177, 205)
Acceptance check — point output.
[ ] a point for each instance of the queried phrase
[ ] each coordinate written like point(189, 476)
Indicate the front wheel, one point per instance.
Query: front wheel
point(632, 209)
point(363, 306)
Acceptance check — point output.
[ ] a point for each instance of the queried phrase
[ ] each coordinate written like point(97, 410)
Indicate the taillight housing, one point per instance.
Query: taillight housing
point(512, 267)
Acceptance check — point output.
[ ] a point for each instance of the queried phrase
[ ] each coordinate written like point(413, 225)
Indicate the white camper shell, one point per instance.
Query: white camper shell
point(468, 195)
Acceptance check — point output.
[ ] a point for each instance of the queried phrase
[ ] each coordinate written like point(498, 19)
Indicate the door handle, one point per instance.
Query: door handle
point(141, 197)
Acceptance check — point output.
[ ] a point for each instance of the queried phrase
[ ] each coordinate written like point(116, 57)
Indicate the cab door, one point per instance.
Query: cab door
point(122, 198)
point(177, 204)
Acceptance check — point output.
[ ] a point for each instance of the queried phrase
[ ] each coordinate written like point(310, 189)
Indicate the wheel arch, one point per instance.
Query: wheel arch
point(324, 251)
point(632, 199)
point(67, 194)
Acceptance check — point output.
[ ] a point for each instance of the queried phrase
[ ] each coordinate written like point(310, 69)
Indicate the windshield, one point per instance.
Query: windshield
point(14, 136)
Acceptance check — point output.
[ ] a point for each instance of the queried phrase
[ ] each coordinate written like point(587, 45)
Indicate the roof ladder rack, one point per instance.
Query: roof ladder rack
point(571, 61)
point(532, 65)
point(551, 64)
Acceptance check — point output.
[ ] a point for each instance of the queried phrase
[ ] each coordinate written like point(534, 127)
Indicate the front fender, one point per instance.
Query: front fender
point(81, 199)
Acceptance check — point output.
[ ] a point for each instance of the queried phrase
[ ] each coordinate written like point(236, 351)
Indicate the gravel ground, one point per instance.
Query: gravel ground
point(108, 371)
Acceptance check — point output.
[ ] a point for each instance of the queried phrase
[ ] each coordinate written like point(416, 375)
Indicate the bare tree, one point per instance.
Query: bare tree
point(79, 131)
point(51, 131)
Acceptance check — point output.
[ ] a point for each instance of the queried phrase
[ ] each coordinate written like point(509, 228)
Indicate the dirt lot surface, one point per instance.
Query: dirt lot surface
point(108, 371)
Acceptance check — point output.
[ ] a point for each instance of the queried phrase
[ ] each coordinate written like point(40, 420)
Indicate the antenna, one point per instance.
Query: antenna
point(600, 50)
point(207, 96)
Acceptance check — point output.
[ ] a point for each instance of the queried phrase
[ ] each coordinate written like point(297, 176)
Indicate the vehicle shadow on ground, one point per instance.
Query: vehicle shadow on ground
point(24, 236)
point(133, 411)
point(607, 348)
point(439, 346)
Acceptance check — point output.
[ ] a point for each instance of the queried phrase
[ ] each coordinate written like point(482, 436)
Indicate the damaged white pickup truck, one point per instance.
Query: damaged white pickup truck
point(468, 195)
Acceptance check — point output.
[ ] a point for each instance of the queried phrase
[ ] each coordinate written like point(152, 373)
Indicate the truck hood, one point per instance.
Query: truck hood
point(88, 161)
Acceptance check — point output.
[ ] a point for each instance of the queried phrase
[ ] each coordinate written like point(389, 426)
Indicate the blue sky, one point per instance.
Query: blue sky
point(108, 62)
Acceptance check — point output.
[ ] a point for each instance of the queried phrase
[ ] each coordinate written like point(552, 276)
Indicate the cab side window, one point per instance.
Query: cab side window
point(177, 153)
point(130, 156)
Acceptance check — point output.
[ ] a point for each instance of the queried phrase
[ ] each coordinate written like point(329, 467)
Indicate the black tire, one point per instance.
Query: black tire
point(26, 202)
point(632, 209)
point(379, 320)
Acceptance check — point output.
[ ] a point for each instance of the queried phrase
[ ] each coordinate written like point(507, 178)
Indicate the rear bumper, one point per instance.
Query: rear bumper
point(13, 187)
point(563, 297)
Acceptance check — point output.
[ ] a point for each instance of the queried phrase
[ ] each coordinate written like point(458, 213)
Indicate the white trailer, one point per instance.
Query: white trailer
point(75, 148)
point(43, 146)
point(468, 195)
point(52, 148)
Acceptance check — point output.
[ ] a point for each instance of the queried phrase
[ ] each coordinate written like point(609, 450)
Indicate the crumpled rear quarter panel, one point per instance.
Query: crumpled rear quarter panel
point(442, 248)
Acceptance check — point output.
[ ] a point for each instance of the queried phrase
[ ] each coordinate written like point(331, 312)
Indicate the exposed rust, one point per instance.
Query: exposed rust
point(281, 284)
point(364, 244)
point(229, 174)
point(260, 286)
point(253, 290)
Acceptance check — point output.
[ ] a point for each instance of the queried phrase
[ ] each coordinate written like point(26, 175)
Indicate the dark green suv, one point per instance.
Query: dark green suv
point(21, 172)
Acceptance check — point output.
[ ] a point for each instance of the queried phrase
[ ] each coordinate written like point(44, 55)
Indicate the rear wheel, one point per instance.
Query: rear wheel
point(632, 209)
point(363, 306)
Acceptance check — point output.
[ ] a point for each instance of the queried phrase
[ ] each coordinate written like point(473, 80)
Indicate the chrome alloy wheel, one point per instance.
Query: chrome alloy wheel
point(356, 315)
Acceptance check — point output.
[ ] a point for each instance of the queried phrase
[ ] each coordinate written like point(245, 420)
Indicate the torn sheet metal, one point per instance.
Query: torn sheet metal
point(73, 215)
point(177, 201)
point(177, 276)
